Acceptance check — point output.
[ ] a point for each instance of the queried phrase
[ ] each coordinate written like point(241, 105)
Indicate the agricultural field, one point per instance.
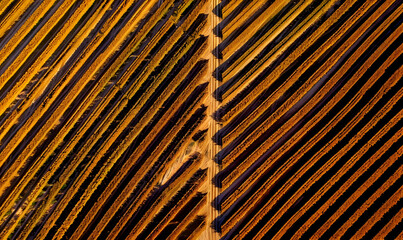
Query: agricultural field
point(201, 119)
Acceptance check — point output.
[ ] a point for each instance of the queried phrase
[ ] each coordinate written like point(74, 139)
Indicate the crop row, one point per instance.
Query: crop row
point(85, 109)
point(310, 120)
